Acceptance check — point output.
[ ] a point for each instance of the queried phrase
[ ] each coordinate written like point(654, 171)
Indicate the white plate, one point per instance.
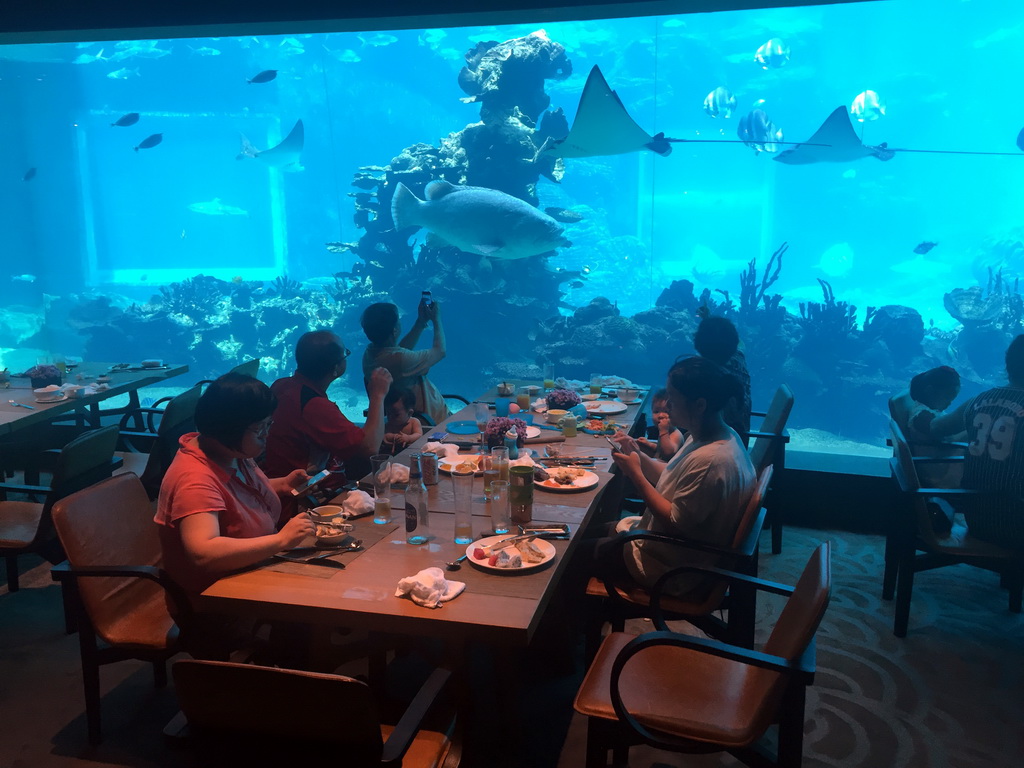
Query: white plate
point(532, 431)
point(544, 546)
point(446, 465)
point(47, 400)
point(584, 482)
point(604, 407)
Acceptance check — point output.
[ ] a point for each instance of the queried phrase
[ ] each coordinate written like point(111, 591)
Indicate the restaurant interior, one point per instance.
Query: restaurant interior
point(846, 632)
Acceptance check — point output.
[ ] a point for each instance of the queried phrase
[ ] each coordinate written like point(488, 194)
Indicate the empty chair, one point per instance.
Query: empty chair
point(769, 447)
point(921, 539)
point(25, 526)
point(616, 602)
point(112, 582)
point(688, 694)
point(262, 715)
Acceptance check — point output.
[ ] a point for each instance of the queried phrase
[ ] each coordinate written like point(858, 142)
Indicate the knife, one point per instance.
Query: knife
point(311, 561)
point(503, 543)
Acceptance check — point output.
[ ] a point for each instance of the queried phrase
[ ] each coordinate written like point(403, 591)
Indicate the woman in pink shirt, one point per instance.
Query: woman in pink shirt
point(217, 511)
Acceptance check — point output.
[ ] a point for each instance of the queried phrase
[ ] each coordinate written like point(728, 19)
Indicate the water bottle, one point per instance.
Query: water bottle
point(417, 520)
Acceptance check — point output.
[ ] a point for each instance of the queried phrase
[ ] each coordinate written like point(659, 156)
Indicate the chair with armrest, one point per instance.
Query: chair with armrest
point(26, 526)
point(617, 602)
point(915, 543)
point(112, 583)
point(164, 428)
point(769, 448)
point(271, 714)
point(696, 695)
point(248, 368)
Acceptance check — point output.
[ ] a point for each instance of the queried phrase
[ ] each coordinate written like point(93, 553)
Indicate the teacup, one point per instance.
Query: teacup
point(554, 415)
point(46, 393)
point(628, 394)
point(328, 513)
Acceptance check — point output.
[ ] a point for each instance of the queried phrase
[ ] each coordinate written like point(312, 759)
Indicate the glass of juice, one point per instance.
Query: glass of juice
point(462, 486)
point(595, 383)
point(523, 399)
point(499, 461)
point(483, 414)
point(491, 476)
point(549, 376)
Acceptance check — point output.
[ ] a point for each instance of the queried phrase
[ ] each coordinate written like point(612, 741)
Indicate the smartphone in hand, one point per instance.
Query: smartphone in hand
point(426, 298)
point(315, 480)
point(616, 448)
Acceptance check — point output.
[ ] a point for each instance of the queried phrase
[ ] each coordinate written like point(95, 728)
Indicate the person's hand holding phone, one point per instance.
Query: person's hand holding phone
point(625, 443)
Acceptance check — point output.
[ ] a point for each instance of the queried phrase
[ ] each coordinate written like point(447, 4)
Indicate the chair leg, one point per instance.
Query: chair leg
point(904, 589)
point(12, 573)
point(91, 683)
point(776, 535)
point(891, 568)
point(597, 749)
point(791, 727)
point(1015, 585)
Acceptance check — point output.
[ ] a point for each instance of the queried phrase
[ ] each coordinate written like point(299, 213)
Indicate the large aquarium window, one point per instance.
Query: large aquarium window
point(845, 188)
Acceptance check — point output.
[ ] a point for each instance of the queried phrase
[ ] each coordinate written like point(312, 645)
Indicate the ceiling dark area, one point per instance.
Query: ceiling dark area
point(27, 21)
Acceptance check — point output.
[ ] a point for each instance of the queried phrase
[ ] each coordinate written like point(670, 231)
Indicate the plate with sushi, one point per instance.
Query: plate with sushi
point(501, 555)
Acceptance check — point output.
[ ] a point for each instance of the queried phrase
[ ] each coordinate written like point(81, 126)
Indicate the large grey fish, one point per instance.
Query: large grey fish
point(773, 54)
point(216, 208)
point(478, 220)
point(720, 102)
point(758, 132)
point(150, 141)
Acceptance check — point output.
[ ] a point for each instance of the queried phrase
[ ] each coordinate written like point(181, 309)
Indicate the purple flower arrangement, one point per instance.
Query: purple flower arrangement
point(43, 375)
point(494, 432)
point(563, 398)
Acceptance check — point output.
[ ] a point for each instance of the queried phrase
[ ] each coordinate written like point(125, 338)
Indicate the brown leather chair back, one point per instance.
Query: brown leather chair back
point(805, 608)
point(248, 368)
point(110, 524)
point(84, 460)
point(753, 509)
point(764, 449)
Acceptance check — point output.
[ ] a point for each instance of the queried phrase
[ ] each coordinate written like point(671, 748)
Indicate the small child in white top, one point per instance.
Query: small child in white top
point(401, 428)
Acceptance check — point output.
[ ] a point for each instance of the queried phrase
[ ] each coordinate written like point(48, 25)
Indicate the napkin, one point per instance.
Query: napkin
point(443, 450)
point(396, 473)
point(429, 588)
point(357, 503)
point(524, 460)
point(627, 524)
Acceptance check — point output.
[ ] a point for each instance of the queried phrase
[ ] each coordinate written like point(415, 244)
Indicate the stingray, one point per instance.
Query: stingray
point(836, 141)
point(286, 155)
point(603, 126)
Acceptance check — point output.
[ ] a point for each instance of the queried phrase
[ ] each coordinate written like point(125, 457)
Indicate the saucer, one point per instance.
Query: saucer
point(45, 400)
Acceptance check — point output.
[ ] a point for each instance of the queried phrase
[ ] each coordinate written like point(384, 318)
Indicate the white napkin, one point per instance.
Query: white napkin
point(524, 460)
point(443, 450)
point(429, 588)
point(627, 524)
point(396, 473)
point(357, 503)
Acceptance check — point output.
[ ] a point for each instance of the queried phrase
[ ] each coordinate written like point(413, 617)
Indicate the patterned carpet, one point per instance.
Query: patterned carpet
point(949, 694)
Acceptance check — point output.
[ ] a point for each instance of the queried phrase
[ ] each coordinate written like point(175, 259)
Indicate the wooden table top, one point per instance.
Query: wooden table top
point(13, 418)
point(498, 608)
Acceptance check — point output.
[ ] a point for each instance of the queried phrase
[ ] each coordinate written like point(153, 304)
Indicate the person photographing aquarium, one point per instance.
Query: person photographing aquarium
point(398, 354)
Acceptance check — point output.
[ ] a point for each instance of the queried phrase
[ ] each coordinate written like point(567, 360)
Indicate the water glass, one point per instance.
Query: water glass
point(501, 521)
point(462, 487)
point(491, 476)
point(501, 404)
point(380, 465)
point(499, 461)
point(521, 494)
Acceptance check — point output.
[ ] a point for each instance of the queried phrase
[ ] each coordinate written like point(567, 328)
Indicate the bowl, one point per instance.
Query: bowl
point(154, 363)
point(46, 393)
point(328, 513)
point(554, 415)
point(628, 394)
point(590, 396)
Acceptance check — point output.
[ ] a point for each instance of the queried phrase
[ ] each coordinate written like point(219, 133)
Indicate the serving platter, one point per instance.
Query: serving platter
point(583, 482)
point(545, 547)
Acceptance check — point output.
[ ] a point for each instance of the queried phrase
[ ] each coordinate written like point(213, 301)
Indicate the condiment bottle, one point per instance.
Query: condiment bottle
point(512, 443)
point(568, 425)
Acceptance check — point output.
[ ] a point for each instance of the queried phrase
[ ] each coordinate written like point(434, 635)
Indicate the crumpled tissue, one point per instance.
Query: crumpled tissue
point(395, 473)
point(443, 450)
point(429, 588)
point(357, 503)
point(524, 460)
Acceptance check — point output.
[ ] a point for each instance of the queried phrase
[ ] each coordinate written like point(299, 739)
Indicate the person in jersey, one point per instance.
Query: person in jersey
point(309, 430)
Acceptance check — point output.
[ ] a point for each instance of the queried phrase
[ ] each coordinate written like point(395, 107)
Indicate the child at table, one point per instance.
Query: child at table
point(401, 428)
point(668, 437)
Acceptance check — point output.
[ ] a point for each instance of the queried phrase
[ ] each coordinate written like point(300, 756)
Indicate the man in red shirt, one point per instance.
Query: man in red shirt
point(309, 431)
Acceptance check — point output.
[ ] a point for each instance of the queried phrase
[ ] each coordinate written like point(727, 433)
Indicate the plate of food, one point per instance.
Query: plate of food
point(605, 407)
point(599, 427)
point(532, 431)
point(496, 554)
point(567, 480)
point(469, 462)
point(462, 428)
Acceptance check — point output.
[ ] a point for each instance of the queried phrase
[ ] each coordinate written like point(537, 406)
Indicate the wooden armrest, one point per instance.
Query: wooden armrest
point(149, 411)
point(405, 731)
point(733, 577)
point(20, 488)
point(64, 571)
point(759, 413)
point(645, 535)
point(783, 437)
point(958, 459)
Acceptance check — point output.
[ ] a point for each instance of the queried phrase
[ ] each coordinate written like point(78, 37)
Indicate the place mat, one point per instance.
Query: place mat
point(506, 585)
point(365, 529)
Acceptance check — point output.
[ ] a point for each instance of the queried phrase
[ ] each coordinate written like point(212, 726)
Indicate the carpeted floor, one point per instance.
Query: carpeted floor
point(950, 694)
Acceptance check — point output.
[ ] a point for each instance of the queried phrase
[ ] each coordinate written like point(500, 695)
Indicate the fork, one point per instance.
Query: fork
point(21, 405)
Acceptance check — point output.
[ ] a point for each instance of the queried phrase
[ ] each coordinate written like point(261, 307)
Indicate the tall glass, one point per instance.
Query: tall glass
point(499, 461)
point(500, 511)
point(549, 376)
point(595, 383)
point(380, 466)
point(483, 415)
point(523, 399)
point(462, 486)
point(521, 494)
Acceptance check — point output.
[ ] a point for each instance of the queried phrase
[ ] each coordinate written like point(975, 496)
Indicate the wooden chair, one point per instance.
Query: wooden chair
point(112, 583)
point(914, 543)
point(268, 716)
point(26, 526)
point(689, 694)
point(769, 448)
point(150, 452)
point(616, 602)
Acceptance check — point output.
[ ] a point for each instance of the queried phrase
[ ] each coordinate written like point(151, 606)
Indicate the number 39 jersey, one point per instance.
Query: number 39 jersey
point(995, 451)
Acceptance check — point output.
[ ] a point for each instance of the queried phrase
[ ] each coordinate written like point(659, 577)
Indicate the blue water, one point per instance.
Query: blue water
point(101, 227)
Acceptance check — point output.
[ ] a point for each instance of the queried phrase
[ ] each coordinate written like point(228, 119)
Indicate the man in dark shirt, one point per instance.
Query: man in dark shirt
point(994, 421)
point(309, 431)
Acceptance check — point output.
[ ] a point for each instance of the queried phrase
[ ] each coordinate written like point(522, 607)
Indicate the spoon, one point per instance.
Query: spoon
point(455, 564)
point(21, 405)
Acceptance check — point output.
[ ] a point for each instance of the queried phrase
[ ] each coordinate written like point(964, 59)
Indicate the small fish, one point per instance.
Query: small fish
point(89, 58)
point(924, 247)
point(23, 278)
point(123, 74)
point(564, 215)
point(150, 141)
point(378, 40)
point(125, 120)
point(758, 132)
point(184, 234)
point(720, 102)
point(263, 77)
point(867, 107)
point(216, 208)
point(773, 54)
point(29, 175)
point(205, 51)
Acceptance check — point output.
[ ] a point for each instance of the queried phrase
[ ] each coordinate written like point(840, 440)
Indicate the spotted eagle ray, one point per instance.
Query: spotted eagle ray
point(603, 126)
point(286, 155)
point(836, 141)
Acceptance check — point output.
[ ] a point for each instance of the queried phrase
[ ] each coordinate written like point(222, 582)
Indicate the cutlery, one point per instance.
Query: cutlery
point(455, 564)
point(311, 561)
point(21, 405)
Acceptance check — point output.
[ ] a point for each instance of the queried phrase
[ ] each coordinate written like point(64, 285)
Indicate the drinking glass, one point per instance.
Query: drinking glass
point(462, 487)
point(595, 383)
point(483, 415)
point(380, 465)
point(521, 494)
point(549, 376)
point(500, 520)
point(499, 461)
point(523, 399)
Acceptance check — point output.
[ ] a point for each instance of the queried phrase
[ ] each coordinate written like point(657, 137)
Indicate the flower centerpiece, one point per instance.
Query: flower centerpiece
point(43, 375)
point(494, 432)
point(562, 398)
